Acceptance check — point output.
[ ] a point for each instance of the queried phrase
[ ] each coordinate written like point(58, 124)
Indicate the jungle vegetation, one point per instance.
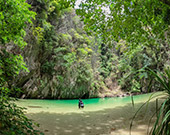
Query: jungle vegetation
point(141, 32)
point(107, 41)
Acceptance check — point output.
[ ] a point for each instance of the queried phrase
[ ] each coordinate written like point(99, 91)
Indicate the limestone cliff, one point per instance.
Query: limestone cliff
point(63, 61)
point(58, 56)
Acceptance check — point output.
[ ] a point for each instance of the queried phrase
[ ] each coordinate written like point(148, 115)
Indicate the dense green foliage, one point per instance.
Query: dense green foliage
point(67, 59)
point(121, 47)
point(13, 120)
point(137, 30)
point(63, 51)
point(161, 125)
point(122, 38)
point(14, 16)
point(162, 113)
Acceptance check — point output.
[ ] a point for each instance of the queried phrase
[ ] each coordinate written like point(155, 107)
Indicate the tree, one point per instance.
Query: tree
point(14, 17)
point(143, 26)
point(133, 21)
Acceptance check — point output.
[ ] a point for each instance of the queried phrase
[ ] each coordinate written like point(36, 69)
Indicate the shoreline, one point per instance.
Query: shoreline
point(123, 94)
point(114, 120)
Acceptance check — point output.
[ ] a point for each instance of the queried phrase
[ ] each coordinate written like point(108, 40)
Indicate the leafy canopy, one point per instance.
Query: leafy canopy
point(14, 16)
point(135, 21)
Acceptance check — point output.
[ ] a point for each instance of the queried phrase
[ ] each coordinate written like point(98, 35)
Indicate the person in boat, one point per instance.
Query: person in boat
point(81, 104)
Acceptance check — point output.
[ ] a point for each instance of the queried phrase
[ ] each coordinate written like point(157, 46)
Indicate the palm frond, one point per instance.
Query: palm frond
point(161, 78)
point(161, 126)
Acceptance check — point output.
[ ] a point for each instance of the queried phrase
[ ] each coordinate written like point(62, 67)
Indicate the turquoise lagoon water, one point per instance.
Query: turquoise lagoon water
point(65, 106)
point(101, 116)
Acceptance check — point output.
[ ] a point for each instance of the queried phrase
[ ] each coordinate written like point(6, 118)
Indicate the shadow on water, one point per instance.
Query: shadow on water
point(115, 121)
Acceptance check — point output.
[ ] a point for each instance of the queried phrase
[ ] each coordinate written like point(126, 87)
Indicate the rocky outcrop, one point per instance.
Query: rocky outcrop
point(62, 60)
point(57, 57)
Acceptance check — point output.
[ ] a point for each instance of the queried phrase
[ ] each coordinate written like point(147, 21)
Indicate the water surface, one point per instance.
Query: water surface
point(101, 116)
point(66, 106)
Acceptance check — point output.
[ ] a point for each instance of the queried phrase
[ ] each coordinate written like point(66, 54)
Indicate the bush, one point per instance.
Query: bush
point(13, 120)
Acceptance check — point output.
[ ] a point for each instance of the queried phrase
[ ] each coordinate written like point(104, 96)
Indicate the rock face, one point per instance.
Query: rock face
point(62, 60)
point(58, 57)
